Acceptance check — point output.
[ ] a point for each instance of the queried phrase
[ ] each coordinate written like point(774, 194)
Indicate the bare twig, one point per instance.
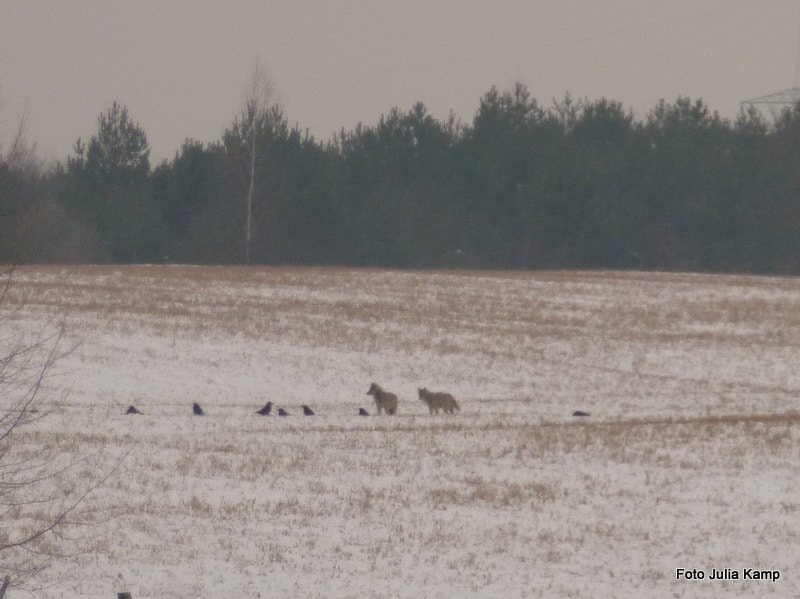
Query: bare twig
point(41, 496)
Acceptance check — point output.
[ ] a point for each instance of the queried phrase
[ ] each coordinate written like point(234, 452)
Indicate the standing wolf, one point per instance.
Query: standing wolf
point(438, 401)
point(383, 399)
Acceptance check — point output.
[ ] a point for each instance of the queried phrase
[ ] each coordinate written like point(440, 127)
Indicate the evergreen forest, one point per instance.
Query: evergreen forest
point(575, 184)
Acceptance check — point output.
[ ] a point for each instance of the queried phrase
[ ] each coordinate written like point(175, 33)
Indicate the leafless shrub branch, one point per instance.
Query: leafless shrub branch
point(43, 494)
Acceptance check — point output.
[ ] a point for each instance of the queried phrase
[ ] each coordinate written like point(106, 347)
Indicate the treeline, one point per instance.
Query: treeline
point(579, 184)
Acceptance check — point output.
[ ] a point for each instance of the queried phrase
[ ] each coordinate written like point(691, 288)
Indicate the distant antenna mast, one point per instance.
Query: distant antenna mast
point(779, 101)
point(776, 102)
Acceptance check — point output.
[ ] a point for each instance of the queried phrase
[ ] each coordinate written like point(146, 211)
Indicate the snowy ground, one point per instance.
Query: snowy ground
point(689, 460)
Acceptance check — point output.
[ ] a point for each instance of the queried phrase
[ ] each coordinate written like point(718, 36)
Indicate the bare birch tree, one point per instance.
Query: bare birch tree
point(257, 103)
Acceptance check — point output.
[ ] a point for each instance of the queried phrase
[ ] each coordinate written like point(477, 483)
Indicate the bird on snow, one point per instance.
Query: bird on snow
point(198, 411)
point(266, 410)
point(282, 412)
point(132, 410)
point(362, 412)
point(307, 411)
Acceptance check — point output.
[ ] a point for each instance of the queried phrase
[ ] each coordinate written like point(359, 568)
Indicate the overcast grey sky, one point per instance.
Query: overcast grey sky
point(182, 66)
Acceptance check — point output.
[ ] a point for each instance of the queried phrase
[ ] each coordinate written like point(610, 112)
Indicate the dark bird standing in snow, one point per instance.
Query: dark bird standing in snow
point(282, 412)
point(266, 410)
point(307, 411)
point(198, 411)
point(362, 412)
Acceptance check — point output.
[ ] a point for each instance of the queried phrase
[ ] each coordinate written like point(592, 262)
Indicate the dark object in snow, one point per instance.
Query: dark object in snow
point(266, 410)
point(307, 411)
point(198, 411)
point(580, 413)
point(282, 412)
point(362, 412)
point(132, 410)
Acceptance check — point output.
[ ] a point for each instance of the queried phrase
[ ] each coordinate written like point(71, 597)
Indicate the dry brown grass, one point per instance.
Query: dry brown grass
point(192, 292)
point(487, 317)
point(496, 493)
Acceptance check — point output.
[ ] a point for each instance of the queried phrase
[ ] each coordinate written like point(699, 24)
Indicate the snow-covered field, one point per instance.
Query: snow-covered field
point(690, 458)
